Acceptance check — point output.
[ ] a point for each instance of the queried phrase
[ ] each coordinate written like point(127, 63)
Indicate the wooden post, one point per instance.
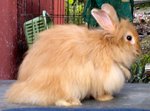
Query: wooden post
point(59, 11)
point(8, 39)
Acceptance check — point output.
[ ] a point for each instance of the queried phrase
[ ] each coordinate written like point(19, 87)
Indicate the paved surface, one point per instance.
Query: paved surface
point(131, 96)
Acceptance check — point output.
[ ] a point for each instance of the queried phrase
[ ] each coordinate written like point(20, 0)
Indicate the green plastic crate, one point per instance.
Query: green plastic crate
point(36, 25)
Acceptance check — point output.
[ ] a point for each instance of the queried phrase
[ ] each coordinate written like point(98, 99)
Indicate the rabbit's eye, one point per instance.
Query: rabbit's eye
point(129, 37)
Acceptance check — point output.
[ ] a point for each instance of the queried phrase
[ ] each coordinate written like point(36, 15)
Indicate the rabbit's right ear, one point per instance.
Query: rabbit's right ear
point(103, 19)
point(111, 12)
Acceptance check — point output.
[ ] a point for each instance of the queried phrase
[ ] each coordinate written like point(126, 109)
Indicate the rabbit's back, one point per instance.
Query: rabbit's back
point(56, 47)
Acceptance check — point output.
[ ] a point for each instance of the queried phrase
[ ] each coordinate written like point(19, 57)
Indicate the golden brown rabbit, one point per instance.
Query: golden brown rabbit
point(69, 62)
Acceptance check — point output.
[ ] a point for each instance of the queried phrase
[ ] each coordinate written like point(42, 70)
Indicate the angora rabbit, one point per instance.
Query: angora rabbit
point(68, 62)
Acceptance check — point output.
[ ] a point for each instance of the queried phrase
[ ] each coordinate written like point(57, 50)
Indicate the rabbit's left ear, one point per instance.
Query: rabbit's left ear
point(103, 19)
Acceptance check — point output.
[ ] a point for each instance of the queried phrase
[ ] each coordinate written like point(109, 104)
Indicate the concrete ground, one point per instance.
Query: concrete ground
point(131, 96)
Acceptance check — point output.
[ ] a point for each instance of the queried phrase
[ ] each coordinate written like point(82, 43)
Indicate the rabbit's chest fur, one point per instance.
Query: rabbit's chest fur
point(86, 80)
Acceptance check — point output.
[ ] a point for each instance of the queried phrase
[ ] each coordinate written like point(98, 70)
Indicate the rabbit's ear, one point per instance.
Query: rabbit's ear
point(103, 19)
point(111, 12)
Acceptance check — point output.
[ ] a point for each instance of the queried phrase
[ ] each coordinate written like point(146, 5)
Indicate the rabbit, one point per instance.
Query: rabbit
point(68, 63)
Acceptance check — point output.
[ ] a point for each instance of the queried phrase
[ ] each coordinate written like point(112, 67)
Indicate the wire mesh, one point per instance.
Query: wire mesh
point(60, 12)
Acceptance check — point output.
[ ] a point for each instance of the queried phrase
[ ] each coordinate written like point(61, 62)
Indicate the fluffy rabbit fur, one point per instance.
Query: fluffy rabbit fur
point(68, 62)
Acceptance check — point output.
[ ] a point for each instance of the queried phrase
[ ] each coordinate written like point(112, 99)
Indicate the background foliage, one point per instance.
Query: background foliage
point(74, 14)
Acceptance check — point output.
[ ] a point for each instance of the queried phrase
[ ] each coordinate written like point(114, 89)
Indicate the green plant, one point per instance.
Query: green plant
point(73, 12)
point(138, 70)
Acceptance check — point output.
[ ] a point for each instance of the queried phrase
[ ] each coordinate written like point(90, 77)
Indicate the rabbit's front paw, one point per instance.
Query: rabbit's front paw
point(105, 98)
point(125, 71)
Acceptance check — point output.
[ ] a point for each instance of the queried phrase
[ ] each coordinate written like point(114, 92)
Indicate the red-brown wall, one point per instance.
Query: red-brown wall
point(12, 40)
point(59, 11)
point(8, 38)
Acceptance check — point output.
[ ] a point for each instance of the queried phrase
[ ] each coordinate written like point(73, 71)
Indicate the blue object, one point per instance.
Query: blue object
point(73, 109)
